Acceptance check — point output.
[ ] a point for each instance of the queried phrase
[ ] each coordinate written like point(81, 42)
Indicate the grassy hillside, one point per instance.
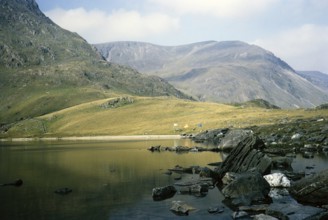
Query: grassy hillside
point(144, 115)
point(44, 68)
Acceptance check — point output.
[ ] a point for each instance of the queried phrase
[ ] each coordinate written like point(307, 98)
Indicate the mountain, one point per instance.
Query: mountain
point(228, 72)
point(44, 68)
point(315, 77)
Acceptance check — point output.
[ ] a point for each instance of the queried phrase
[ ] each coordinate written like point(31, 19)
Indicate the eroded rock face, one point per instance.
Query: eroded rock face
point(245, 156)
point(312, 189)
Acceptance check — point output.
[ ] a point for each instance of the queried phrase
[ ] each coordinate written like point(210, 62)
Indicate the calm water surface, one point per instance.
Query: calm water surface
point(110, 180)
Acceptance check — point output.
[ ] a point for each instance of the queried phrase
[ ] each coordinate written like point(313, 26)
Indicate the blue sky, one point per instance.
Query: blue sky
point(294, 30)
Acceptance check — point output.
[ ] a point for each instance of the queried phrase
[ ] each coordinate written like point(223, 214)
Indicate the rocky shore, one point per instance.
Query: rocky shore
point(256, 178)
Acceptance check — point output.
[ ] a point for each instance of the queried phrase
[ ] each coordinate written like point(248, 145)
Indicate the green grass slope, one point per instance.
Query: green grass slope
point(144, 115)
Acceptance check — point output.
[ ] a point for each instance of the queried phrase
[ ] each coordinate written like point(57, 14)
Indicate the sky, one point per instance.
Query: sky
point(294, 30)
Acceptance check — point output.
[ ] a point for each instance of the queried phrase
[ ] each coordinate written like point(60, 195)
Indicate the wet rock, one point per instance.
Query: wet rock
point(162, 193)
point(63, 191)
point(155, 148)
point(277, 180)
point(239, 215)
point(264, 217)
point(232, 138)
point(293, 211)
point(199, 190)
point(181, 208)
point(248, 187)
point(216, 210)
point(229, 177)
point(245, 156)
point(311, 189)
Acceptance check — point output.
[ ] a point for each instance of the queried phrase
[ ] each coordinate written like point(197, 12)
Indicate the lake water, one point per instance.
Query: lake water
point(110, 180)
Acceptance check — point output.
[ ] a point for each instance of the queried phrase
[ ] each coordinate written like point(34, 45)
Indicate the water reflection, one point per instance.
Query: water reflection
point(110, 180)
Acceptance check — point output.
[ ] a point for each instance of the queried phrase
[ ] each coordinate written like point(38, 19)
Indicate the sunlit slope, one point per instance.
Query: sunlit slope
point(141, 115)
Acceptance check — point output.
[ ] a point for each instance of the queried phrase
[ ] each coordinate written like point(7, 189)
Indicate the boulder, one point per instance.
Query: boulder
point(211, 135)
point(311, 189)
point(277, 180)
point(246, 188)
point(232, 138)
point(245, 156)
point(287, 211)
point(162, 193)
point(180, 208)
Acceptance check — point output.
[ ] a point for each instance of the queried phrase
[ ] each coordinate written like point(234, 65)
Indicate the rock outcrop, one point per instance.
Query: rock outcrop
point(312, 189)
point(245, 156)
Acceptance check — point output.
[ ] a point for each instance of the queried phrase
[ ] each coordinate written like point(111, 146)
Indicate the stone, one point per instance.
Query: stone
point(162, 193)
point(213, 136)
point(277, 180)
point(248, 187)
point(296, 136)
point(239, 215)
point(181, 208)
point(215, 210)
point(232, 138)
point(264, 217)
point(311, 189)
point(287, 211)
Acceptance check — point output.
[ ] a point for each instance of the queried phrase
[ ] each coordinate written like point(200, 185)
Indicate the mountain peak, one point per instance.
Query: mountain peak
point(226, 71)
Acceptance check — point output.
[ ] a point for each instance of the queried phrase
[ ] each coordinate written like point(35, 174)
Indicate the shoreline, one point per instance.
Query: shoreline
point(93, 138)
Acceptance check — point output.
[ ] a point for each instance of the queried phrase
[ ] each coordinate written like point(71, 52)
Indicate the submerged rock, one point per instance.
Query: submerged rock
point(63, 191)
point(162, 193)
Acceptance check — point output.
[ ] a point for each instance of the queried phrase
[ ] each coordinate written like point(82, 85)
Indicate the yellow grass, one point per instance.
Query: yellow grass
point(152, 116)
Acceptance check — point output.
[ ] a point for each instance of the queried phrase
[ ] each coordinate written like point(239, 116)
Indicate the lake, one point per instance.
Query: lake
point(109, 179)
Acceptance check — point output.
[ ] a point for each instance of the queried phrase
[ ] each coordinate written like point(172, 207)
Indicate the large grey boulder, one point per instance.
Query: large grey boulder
point(246, 188)
point(232, 138)
point(214, 135)
point(312, 189)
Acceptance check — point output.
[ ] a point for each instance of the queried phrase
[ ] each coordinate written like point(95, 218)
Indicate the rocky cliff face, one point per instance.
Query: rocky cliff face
point(226, 72)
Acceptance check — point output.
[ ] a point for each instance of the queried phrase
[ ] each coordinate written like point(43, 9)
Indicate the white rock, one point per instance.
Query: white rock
point(296, 136)
point(277, 180)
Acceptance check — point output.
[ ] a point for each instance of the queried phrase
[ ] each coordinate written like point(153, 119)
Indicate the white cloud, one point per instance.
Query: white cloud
point(304, 47)
point(97, 26)
point(218, 8)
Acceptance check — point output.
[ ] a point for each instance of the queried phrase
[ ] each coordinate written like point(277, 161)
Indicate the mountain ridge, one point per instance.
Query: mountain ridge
point(226, 71)
point(44, 68)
